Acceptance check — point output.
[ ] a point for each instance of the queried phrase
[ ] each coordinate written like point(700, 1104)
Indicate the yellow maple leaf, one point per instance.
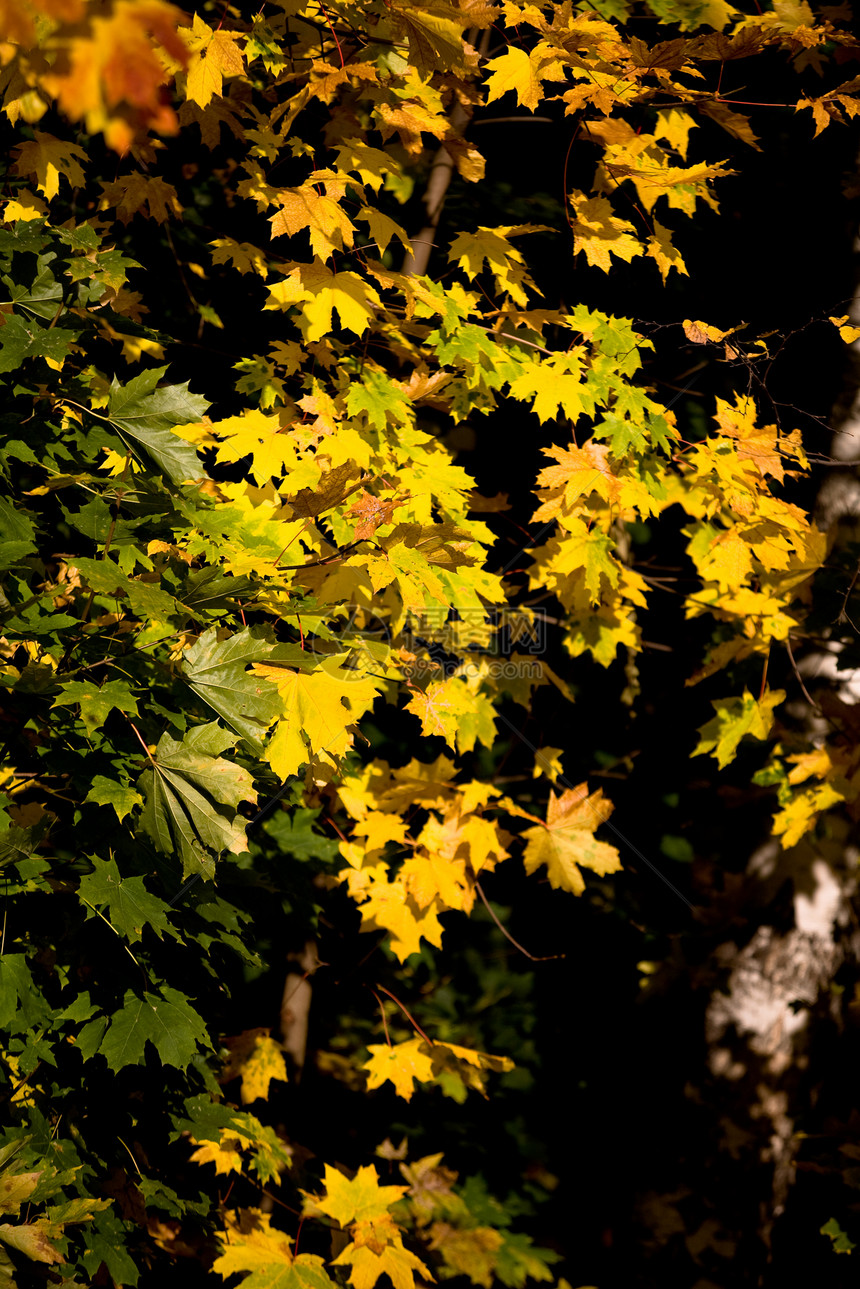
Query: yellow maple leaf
point(452, 709)
point(264, 1063)
point(802, 813)
point(272, 450)
point(216, 55)
point(548, 762)
point(387, 906)
point(383, 228)
point(380, 828)
point(48, 159)
point(402, 1064)
point(319, 292)
point(250, 1243)
point(662, 251)
point(512, 72)
point(600, 233)
point(579, 472)
point(328, 224)
point(320, 707)
point(674, 125)
point(26, 206)
point(242, 256)
point(567, 843)
point(359, 1198)
point(225, 1154)
point(371, 1258)
point(491, 246)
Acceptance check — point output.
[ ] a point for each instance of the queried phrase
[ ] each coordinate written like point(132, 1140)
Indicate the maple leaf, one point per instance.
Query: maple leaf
point(579, 472)
point(372, 511)
point(735, 718)
point(452, 709)
point(242, 256)
point(386, 905)
point(329, 226)
point(555, 385)
point(48, 159)
point(191, 797)
point(514, 71)
point(402, 1064)
point(140, 194)
point(662, 251)
point(107, 792)
point(130, 904)
point(256, 1058)
point(216, 670)
point(674, 125)
point(318, 292)
point(567, 843)
point(505, 262)
point(320, 709)
point(370, 1258)
point(803, 811)
point(250, 1244)
point(383, 228)
point(97, 701)
point(472, 1252)
point(434, 33)
point(260, 436)
point(217, 56)
point(359, 1198)
point(600, 233)
point(548, 762)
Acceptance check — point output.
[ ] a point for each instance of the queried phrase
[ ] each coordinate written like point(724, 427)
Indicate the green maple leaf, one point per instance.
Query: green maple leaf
point(108, 792)
point(191, 797)
point(170, 1023)
point(377, 397)
point(106, 578)
point(216, 671)
point(97, 702)
point(145, 416)
point(295, 836)
point(23, 338)
point(130, 905)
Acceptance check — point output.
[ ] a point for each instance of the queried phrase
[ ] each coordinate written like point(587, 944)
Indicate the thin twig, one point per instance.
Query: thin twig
point(408, 1015)
point(812, 703)
point(550, 957)
point(382, 1013)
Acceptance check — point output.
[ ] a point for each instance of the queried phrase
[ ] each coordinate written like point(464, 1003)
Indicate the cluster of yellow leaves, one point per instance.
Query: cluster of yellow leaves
point(454, 847)
point(752, 550)
point(414, 1061)
point(361, 1206)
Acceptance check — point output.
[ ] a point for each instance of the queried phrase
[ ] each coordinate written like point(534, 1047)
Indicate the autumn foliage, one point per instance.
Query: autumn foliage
point(258, 648)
